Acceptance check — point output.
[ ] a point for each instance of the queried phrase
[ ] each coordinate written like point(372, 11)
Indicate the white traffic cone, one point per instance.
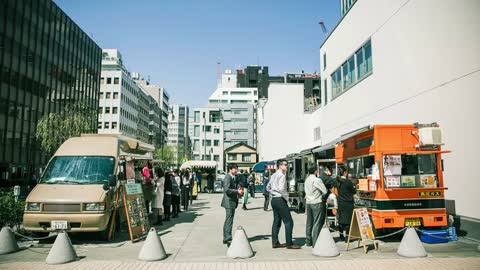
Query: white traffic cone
point(8, 243)
point(411, 245)
point(325, 245)
point(62, 250)
point(240, 247)
point(152, 249)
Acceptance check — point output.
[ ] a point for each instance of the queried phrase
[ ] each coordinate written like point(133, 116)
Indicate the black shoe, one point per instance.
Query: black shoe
point(278, 245)
point(228, 243)
point(308, 244)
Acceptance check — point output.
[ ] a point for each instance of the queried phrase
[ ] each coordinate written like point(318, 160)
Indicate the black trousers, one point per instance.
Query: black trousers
point(281, 212)
point(175, 205)
point(167, 203)
point(267, 198)
point(185, 196)
point(227, 225)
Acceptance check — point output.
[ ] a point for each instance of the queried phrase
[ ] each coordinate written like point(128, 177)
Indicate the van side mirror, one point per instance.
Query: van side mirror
point(112, 180)
point(105, 187)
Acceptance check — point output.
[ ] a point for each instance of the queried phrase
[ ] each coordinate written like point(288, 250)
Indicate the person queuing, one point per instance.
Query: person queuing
point(158, 196)
point(186, 178)
point(231, 193)
point(167, 199)
point(251, 185)
point(242, 182)
point(346, 191)
point(175, 194)
point(147, 186)
point(329, 182)
point(281, 212)
point(266, 194)
point(314, 189)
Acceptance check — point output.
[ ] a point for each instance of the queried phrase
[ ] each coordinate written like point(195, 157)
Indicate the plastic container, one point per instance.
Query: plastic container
point(434, 236)
point(452, 234)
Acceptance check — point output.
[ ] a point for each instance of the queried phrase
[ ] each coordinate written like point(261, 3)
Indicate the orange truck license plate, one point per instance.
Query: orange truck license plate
point(415, 222)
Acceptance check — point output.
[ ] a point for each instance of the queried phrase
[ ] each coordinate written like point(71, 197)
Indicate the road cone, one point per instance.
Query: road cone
point(411, 245)
point(62, 250)
point(325, 245)
point(152, 249)
point(240, 247)
point(8, 243)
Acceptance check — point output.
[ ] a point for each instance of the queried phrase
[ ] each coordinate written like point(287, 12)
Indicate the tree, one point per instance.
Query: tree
point(55, 128)
point(166, 154)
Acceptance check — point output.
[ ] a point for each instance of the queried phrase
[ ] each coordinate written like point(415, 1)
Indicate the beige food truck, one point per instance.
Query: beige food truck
point(78, 189)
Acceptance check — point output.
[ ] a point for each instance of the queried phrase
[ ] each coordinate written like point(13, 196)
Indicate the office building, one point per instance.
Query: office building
point(178, 132)
point(46, 62)
point(208, 136)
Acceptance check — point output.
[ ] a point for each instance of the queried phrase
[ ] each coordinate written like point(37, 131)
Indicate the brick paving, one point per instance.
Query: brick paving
point(390, 264)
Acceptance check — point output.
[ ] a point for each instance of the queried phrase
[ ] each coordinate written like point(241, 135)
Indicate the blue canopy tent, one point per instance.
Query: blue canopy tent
point(260, 166)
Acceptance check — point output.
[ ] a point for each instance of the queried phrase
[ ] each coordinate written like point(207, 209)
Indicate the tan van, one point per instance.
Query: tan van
point(77, 189)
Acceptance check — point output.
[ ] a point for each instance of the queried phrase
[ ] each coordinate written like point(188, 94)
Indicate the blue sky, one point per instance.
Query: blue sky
point(178, 43)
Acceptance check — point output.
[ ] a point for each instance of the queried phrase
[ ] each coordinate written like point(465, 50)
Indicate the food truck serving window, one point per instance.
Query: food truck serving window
point(410, 171)
point(360, 167)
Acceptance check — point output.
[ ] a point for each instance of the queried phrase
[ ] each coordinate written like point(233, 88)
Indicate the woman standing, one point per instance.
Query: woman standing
point(147, 186)
point(186, 189)
point(158, 195)
point(175, 194)
point(346, 191)
point(167, 199)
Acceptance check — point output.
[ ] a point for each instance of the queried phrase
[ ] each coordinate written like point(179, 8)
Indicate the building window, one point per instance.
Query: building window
point(196, 145)
point(337, 83)
point(109, 80)
point(114, 111)
point(225, 92)
point(246, 157)
point(208, 128)
point(115, 95)
point(107, 109)
point(216, 142)
point(108, 95)
point(102, 80)
point(255, 92)
point(99, 125)
point(101, 95)
point(216, 131)
point(216, 157)
point(208, 142)
point(196, 117)
point(106, 125)
point(100, 110)
point(239, 119)
point(324, 61)
point(240, 93)
point(238, 101)
point(196, 131)
point(348, 69)
point(114, 125)
point(207, 157)
point(364, 60)
point(116, 80)
point(232, 157)
point(196, 157)
point(325, 89)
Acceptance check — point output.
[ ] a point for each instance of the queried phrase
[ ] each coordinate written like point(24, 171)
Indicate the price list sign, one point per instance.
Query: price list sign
point(136, 211)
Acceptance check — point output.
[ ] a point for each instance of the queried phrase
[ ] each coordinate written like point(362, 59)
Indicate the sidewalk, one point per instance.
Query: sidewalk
point(195, 240)
point(390, 264)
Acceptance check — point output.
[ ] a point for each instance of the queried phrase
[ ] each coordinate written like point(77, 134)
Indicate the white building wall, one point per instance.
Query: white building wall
point(426, 68)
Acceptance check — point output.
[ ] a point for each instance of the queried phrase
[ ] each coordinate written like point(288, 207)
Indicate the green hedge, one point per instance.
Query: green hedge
point(11, 212)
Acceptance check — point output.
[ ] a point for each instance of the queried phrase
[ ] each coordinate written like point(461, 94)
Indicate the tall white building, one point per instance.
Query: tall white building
point(208, 135)
point(178, 132)
point(413, 61)
point(158, 112)
point(118, 100)
point(228, 93)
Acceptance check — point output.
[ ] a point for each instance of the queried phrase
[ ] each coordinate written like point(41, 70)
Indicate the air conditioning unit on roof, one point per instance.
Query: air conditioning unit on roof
point(430, 136)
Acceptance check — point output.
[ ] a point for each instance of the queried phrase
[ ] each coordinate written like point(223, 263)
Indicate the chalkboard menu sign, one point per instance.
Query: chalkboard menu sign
point(136, 211)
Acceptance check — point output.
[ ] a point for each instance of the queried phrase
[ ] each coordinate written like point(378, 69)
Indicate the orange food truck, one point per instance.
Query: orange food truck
point(399, 171)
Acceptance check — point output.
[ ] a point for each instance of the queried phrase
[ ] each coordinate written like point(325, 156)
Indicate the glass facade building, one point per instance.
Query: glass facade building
point(46, 62)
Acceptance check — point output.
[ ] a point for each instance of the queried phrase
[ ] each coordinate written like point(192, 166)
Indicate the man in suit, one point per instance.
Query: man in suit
point(231, 193)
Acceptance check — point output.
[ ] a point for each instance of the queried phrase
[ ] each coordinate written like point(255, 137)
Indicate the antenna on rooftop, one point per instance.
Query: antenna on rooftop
point(219, 73)
point(322, 25)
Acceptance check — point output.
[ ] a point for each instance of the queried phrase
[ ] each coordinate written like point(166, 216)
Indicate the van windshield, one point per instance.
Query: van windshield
point(78, 170)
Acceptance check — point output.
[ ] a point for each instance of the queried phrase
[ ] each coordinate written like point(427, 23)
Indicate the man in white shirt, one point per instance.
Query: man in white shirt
point(281, 212)
point(314, 189)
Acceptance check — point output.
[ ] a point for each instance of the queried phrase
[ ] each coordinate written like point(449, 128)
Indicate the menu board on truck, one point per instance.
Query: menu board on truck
point(392, 165)
point(136, 211)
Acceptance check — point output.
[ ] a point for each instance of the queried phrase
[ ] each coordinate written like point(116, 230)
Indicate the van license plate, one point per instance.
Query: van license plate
point(59, 225)
point(415, 222)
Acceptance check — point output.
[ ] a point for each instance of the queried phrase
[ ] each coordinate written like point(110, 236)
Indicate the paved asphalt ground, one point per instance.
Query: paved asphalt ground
point(194, 241)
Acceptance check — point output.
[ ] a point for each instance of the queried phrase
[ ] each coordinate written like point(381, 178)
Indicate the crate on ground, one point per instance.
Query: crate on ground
point(452, 234)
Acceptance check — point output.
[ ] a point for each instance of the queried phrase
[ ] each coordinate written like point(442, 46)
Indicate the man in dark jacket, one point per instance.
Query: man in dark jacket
point(266, 194)
point(231, 193)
